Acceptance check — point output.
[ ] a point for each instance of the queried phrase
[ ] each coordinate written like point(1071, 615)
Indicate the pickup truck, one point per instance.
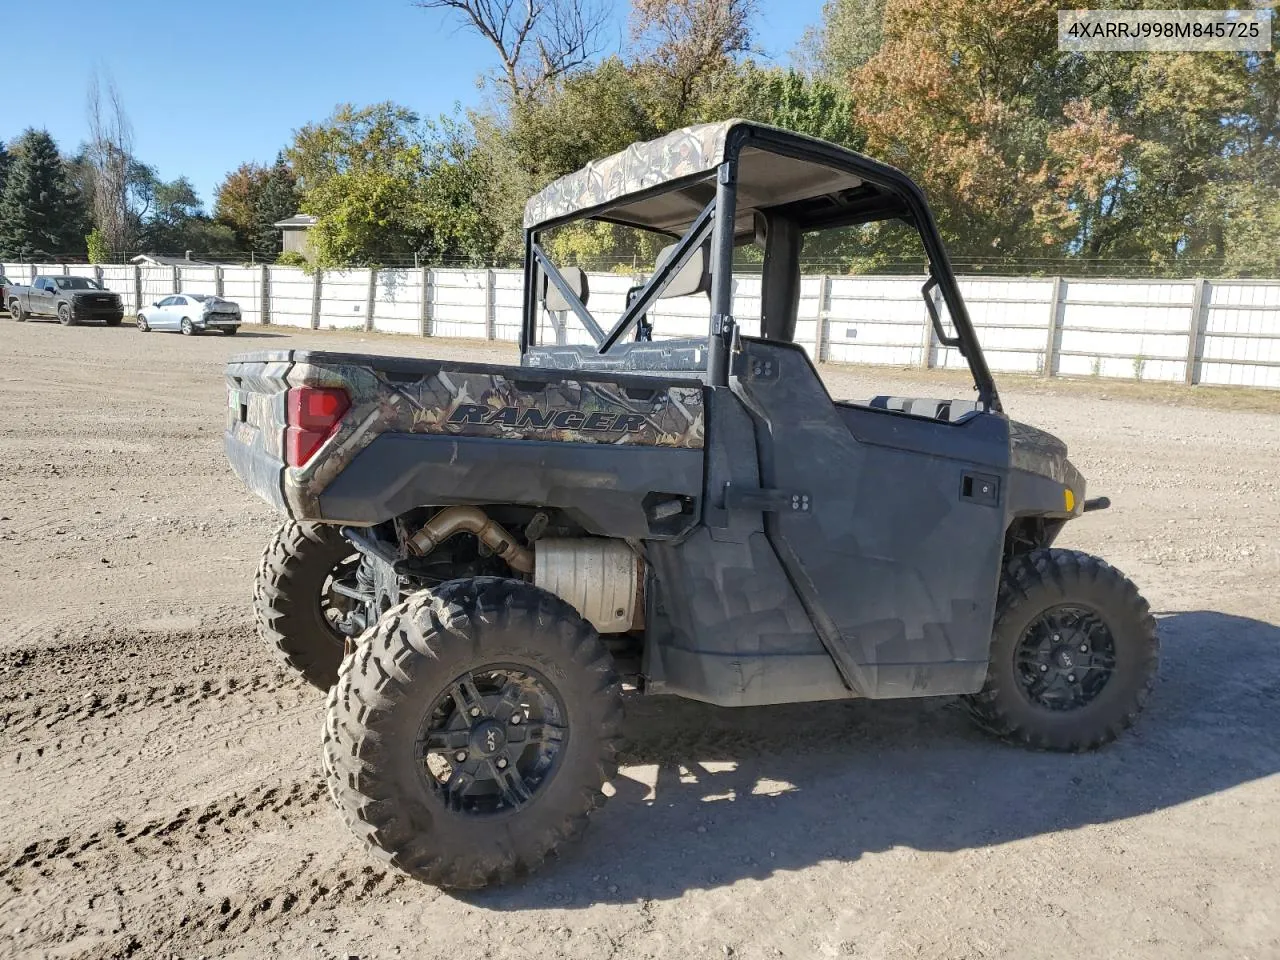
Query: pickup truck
point(71, 300)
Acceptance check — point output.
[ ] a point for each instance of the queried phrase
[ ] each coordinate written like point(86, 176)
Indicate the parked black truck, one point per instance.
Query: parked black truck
point(70, 300)
point(477, 557)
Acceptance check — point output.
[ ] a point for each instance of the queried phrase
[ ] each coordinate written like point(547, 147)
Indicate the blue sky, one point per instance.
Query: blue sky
point(211, 85)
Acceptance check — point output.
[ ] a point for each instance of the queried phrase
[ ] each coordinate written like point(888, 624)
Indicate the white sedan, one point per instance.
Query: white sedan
point(191, 313)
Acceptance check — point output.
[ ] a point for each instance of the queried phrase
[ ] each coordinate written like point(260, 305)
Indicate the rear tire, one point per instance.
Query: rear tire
point(16, 311)
point(398, 743)
point(1074, 653)
point(188, 328)
point(289, 599)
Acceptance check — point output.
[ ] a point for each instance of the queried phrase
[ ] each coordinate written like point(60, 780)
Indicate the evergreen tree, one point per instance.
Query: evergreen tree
point(6, 160)
point(41, 213)
point(277, 201)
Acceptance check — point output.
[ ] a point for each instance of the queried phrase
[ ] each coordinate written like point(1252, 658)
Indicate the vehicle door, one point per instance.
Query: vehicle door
point(165, 318)
point(891, 525)
point(181, 308)
point(44, 298)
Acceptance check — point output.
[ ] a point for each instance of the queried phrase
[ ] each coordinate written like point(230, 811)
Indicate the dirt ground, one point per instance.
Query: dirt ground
point(159, 774)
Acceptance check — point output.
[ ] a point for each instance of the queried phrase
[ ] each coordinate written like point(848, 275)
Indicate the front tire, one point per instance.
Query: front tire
point(142, 324)
point(469, 734)
point(230, 331)
point(296, 611)
point(64, 315)
point(1074, 653)
point(188, 328)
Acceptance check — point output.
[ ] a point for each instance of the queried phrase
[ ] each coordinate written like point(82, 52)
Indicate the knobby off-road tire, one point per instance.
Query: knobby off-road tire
point(398, 683)
point(1067, 616)
point(288, 598)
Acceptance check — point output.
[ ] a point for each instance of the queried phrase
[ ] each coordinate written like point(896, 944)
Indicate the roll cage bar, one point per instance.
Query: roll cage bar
point(717, 222)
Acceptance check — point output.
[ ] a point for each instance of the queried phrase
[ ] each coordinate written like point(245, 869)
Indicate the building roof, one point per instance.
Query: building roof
point(297, 220)
point(155, 260)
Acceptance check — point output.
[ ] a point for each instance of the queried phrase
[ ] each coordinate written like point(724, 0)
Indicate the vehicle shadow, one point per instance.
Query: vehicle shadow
point(130, 326)
point(714, 796)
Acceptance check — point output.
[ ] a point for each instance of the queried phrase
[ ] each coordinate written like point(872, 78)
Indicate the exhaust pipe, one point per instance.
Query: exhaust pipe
point(454, 520)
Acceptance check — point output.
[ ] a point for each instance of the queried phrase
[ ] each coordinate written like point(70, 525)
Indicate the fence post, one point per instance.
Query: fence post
point(371, 300)
point(1196, 328)
point(926, 341)
point(1056, 303)
point(97, 274)
point(217, 282)
point(824, 311)
point(264, 295)
point(316, 281)
point(177, 279)
point(137, 287)
point(424, 315)
point(489, 319)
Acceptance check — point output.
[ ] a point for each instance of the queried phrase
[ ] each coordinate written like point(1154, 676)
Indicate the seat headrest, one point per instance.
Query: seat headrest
point(692, 278)
point(550, 294)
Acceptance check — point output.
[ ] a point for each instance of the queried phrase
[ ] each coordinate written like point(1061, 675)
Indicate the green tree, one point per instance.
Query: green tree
point(277, 200)
point(362, 174)
point(41, 213)
point(5, 160)
point(237, 198)
point(966, 97)
point(849, 34)
point(99, 251)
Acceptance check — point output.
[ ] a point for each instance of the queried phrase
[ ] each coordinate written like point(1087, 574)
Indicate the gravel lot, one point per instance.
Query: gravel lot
point(159, 775)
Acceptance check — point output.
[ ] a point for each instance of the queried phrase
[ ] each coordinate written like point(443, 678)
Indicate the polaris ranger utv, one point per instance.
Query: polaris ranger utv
point(477, 557)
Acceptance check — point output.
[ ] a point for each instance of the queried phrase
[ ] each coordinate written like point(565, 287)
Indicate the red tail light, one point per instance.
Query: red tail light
point(314, 415)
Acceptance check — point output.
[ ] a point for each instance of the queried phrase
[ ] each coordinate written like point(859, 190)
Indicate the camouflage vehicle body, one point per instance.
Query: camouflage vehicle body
point(433, 404)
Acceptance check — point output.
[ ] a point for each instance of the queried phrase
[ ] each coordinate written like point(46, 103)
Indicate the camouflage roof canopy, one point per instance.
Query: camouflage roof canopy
point(681, 153)
point(765, 179)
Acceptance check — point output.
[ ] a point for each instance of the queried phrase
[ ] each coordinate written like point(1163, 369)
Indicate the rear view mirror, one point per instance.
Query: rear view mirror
point(551, 297)
point(691, 278)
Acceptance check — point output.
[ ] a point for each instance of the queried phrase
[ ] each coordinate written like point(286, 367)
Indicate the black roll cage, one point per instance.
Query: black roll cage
point(717, 221)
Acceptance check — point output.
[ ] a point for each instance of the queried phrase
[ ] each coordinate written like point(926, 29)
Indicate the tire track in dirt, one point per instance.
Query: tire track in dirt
point(109, 673)
point(167, 909)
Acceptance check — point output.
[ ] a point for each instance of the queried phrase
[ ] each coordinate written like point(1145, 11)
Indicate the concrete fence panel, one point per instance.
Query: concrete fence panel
point(458, 303)
point(121, 279)
point(198, 280)
point(157, 283)
point(1136, 330)
point(292, 296)
point(1241, 334)
point(244, 286)
point(873, 320)
point(397, 301)
point(344, 299)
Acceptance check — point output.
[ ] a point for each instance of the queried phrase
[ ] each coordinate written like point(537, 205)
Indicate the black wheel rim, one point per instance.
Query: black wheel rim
point(1065, 658)
point(493, 740)
point(337, 606)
